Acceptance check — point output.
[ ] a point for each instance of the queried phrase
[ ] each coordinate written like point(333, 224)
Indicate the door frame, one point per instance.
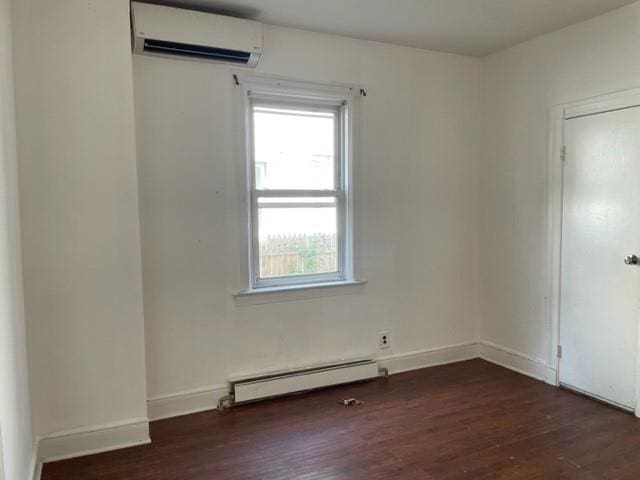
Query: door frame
point(558, 116)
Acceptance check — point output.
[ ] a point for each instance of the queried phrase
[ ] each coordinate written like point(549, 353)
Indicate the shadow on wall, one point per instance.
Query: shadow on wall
point(219, 8)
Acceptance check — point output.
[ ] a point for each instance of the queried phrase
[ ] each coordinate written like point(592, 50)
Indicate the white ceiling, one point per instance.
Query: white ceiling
point(470, 27)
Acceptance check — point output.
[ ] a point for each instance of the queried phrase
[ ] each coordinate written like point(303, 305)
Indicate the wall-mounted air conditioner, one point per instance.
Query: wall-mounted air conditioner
point(189, 34)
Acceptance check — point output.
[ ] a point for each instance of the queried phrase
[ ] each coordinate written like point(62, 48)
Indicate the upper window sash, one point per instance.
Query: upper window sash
point(337, 110)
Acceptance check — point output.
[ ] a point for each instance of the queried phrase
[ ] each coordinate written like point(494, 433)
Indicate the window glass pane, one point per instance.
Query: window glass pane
point(294, 149)
point(297, 240)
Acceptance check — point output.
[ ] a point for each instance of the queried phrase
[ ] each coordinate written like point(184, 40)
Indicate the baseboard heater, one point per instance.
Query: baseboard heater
point(275, 384)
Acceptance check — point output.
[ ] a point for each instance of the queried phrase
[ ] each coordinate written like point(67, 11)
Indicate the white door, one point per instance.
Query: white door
point(600, 293)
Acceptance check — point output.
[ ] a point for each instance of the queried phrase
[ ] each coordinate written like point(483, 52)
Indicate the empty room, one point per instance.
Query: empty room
point(319, 240)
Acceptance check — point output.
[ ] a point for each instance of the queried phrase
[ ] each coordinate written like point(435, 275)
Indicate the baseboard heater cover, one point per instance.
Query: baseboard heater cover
point(276, 384)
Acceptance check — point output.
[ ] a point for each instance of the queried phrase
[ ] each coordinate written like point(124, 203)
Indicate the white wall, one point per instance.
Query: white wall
point(416, 212)
point(80, 225)
point(16, 442)
point(520, 87)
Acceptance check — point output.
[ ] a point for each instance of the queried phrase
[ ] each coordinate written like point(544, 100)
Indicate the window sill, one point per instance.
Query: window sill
point(292, 293)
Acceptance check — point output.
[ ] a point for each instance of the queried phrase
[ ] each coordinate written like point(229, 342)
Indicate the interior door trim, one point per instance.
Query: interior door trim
point(604, 104)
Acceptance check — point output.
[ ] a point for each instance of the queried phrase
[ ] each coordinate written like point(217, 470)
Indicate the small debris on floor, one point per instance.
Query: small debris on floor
point(349, 402)
point(575, 464)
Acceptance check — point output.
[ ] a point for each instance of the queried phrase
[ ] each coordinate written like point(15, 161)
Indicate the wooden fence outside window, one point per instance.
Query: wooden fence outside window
point(282, 255)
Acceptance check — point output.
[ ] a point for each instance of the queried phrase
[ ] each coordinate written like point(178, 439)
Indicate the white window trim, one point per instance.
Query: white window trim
point(265, 89)
point(295, 293)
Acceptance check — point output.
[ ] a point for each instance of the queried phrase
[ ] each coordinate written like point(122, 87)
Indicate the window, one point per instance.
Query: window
point(299, 148)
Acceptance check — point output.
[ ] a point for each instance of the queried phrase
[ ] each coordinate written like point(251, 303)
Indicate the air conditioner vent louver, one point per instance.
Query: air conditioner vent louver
point(196, 51)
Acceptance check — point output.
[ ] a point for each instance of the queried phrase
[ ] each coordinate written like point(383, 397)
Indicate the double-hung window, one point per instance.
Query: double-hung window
point(299, 144)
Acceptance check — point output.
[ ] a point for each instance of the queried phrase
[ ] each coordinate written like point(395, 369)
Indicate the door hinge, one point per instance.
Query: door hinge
point(563, 153)
point(559, 351)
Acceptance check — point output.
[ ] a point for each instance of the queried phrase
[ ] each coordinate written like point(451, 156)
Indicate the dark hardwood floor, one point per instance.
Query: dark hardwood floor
point(471, 420)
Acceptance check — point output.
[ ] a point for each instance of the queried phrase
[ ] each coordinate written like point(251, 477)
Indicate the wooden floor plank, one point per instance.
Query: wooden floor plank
point(470, 420)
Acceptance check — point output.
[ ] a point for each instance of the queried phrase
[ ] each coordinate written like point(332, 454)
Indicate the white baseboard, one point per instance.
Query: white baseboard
point(186, 402)
point(103, 438)
point(429, 358)
point(516, 361)
point(203, 399)
point(96, 439)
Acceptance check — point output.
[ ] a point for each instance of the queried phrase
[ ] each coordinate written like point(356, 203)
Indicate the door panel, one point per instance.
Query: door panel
point(600, 294)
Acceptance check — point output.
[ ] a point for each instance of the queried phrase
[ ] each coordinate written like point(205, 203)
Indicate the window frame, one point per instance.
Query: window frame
point(339, 100)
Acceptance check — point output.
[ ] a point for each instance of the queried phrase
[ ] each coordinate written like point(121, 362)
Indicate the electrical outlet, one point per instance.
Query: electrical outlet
point(384, 340)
